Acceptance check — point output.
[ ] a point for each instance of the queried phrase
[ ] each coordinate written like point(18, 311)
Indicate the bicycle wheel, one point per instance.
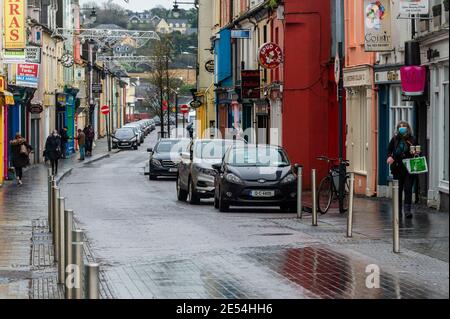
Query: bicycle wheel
point(325, 195)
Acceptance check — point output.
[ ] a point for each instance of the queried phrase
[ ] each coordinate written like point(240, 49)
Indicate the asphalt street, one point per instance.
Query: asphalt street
point(152, 246)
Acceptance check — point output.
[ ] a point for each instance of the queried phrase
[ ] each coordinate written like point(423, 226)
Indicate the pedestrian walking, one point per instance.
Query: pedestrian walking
point(190, 129)
point(20, 151)
point(400, 149)
point(90, 135)
point(81, 138)
point(64, 141)
point(53, 150)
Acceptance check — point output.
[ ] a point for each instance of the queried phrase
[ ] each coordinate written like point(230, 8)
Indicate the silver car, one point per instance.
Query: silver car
point(195, 173)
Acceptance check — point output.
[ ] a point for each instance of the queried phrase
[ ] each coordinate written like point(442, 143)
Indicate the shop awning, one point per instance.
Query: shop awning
point(7, 98)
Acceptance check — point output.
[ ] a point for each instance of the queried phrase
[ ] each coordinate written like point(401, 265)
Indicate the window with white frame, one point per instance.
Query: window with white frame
point(399, 110)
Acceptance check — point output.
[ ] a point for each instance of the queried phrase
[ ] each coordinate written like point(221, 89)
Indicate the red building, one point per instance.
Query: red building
point(310, 111)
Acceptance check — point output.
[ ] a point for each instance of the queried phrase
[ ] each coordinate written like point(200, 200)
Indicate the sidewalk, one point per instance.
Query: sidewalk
point(26, 257)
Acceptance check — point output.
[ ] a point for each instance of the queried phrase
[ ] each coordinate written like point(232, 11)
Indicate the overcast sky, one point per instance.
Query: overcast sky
point(137, 5)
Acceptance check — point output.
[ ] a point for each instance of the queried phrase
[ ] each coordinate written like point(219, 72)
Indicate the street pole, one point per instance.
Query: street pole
point(176, 112)
point(91, 78)
point(168, 89)
point(342, 165)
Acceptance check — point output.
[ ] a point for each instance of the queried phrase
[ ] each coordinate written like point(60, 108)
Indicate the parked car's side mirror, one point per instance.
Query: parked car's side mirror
point(149, 150)
point(217, 167)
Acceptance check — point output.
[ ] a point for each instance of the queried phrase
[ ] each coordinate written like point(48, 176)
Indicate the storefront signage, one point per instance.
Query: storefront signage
point(377, 26)
point(387, 76)
point(409, 7)
point(36, 109)
point(97, 88)
point(413, 80)
point(251, 83)
point(354, 78)
point(270, 55)
point(27, 75)
point(2, 84)
point(61, 102)
point(209, 66)
point(261, 107)
point(241, 34)
point(14, 24)
point(14, 56)
point(33, 55)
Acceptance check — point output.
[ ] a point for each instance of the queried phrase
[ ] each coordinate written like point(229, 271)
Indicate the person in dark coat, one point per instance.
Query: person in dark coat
point(53, 150)
point(20, 151)
point(90, 136)
point(398, 150)
point(64, 141)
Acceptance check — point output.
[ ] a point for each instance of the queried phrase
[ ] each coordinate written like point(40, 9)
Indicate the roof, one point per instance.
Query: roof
point(186, 21)
point(109, 26)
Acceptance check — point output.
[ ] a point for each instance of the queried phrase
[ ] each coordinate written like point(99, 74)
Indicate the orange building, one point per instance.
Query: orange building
point(361, 139)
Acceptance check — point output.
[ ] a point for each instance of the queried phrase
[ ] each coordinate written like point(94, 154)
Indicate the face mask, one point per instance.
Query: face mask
point(403, 130)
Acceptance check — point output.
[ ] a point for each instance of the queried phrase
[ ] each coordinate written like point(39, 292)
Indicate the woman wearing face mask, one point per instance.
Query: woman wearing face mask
point(398, 150)
point(53, 150)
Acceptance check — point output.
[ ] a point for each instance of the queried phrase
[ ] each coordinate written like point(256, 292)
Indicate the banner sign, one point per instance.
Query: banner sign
point(241, 34)
point(14, 19)
point(377, 26)
point(33, 55)
point(14, 56)
point(270, 56)
point(251, 83)
point(409, 7)
point(27, 75)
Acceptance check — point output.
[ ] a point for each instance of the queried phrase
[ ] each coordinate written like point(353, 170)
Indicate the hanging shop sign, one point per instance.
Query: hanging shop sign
point(2, 84)
point(33, 55)
point(251, 83)
point(14, 56)
point(35, 109)
point(410, 7)
point(27, 75)
point(209, 66)
point(270, 55)
point(413, 80)
point(196, 104)
point(61, 102)
point(14, 24)
point(377, 26)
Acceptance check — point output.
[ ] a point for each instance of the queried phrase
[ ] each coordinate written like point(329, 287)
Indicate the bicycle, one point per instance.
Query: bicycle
point(329, 186)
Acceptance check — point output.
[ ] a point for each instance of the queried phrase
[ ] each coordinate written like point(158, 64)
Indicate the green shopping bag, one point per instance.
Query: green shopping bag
point(416, 165)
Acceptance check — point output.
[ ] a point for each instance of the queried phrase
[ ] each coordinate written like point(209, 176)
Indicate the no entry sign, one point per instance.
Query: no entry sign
point(104, 109)
point(184, 108)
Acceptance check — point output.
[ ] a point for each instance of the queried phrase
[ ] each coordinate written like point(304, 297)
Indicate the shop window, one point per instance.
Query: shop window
point(399, 110)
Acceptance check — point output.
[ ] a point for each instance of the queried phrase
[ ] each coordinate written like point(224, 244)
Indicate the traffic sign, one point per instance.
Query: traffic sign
point(184, 108)
point(105, 109)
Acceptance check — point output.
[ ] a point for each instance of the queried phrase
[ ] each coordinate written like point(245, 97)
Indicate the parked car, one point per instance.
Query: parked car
point(139, 131)
point(255, 175)
point(124, 138)
point(152, 125)
point(195, 173)
point(157, 121)
point(165, 157)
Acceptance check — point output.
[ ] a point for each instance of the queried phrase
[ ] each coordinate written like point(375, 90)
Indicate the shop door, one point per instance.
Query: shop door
point(35, 138)
point(60, 121)
point(247, 121)
point(263, 124)
point(223, 120)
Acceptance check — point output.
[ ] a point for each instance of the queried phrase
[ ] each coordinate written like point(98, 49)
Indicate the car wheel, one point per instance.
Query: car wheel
point(223, 206)
point(192, 196)
point(181, 193)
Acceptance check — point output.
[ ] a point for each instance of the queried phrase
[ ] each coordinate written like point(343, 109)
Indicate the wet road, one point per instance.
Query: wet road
point(152, 246)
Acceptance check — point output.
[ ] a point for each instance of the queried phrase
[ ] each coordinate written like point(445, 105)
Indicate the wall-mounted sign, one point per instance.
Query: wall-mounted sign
point(241, 34)
point(14, 56)
point(14, 24)
point(209, 66)
point(387, 76)
point(409, 7)
point(35, 109)
point(270, 55)
point(377, 26)
point(251, 83)
point(97, 88)
point(359, 77)
point(33, 55)
point(27, 75)
point(413, 80)
point(261, 107)
point(196, 104)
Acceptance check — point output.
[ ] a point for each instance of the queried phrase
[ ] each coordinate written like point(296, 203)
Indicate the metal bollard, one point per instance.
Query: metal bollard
point(55, 203)
point(350, 206)
point(68, 227)
point(92, 280)
point(395, 216)
point(299, 192)
point(78, 267)
point(314, 198)
point(50, 182)
point(60, 237)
